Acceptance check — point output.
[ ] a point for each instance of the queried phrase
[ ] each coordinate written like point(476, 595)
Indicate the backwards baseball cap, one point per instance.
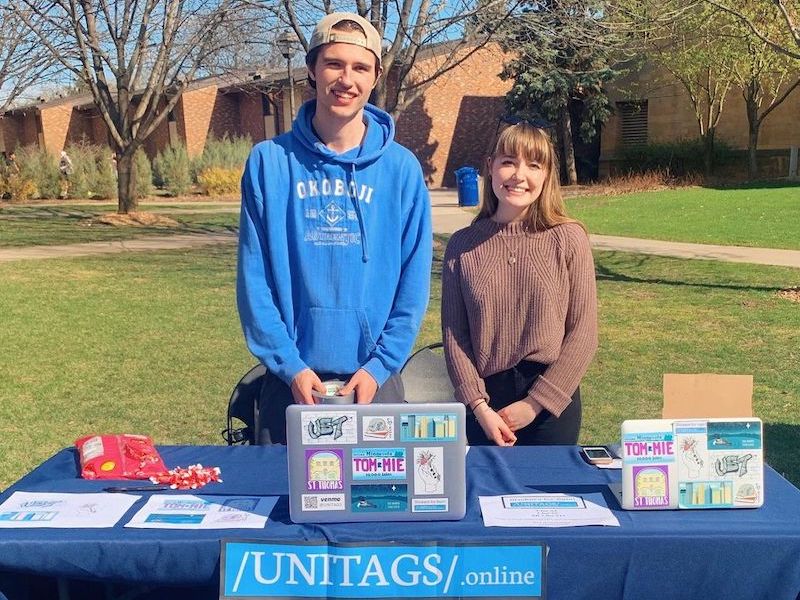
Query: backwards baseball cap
point(324, 33)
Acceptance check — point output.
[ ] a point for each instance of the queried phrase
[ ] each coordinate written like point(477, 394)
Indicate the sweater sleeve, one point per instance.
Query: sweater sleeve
point(413, 288)
point(264, 330)
point(554, 388)
point(458, 352)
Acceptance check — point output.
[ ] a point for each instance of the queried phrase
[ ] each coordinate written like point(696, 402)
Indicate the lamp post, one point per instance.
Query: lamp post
point(285, 43)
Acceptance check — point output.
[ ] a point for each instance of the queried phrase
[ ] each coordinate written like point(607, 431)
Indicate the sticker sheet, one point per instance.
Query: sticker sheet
point(186, 511)
point(54, 510)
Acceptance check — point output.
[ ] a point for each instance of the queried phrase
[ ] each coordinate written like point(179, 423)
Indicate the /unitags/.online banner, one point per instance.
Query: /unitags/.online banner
point(355, 570)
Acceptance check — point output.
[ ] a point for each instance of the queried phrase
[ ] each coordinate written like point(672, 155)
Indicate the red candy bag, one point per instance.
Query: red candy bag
point(119, 457)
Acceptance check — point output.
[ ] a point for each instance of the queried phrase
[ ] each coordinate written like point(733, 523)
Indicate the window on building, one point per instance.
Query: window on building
point(633, 123)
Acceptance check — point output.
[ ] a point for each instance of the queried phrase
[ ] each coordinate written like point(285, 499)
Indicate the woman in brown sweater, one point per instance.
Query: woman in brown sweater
point(519, 302)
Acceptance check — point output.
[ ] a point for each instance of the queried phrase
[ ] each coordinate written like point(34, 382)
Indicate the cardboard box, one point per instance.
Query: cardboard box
point(707, 395)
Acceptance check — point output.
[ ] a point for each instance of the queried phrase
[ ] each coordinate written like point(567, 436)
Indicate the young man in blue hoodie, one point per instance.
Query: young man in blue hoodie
point(335, 240)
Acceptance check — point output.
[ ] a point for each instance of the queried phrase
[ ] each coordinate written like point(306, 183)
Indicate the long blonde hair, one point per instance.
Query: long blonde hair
point(533, 145)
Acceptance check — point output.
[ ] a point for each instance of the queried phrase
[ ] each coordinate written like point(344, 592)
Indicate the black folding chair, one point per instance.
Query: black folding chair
point(243, 408)
point(425, 377)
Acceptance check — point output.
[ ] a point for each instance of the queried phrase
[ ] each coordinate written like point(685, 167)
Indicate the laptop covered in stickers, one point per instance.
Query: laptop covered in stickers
point(376, 462)
point(692, 463)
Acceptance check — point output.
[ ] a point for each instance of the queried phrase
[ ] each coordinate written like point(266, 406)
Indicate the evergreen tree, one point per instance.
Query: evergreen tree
point(564, 57)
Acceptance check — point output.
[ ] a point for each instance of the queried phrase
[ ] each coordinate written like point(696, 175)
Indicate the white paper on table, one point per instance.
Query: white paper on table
point(61, 510)
point(546, 510)
point(616, 463)
point(186, 511)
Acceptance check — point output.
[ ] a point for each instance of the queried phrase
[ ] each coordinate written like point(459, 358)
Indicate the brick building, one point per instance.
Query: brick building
point(449, 127)
point(452, 125)
point(211, 106)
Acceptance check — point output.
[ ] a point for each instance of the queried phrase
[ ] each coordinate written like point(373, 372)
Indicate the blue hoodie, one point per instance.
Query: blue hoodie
point(334, 252)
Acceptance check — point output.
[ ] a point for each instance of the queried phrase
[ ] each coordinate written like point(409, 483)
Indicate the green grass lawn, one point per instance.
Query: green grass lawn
point(53, 224)
point(150, 343)
point(768, 217)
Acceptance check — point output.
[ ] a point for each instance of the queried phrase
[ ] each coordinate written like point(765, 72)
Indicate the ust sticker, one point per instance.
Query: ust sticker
point(328, 427)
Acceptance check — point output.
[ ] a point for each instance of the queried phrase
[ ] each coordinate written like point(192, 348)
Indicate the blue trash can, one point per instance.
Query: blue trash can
point(467, 181)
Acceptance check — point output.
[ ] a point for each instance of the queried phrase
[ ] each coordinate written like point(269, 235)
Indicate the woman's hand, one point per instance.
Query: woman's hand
point(493, 426)
point(519, 414)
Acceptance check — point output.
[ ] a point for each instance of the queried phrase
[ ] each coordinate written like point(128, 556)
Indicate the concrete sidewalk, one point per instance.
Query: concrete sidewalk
point(447, 216)
point(160, 242)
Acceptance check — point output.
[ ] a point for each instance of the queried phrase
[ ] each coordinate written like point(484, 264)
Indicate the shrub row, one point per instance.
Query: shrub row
point(679, 159)
point(217, 171)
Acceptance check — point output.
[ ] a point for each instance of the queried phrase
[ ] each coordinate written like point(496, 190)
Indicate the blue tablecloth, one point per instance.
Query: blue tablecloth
point(673, 554)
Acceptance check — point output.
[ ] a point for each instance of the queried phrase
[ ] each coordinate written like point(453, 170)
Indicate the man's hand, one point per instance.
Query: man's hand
point(493, 426)
point(519, 414)
point(364, 384)
point(302, 384)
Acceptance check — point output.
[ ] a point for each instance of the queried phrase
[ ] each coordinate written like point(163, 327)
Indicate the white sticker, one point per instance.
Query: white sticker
point(378, 428)
point(429, 504)
point(428, 471)
point(328, 427)
point(92, 448)
point(312, 502)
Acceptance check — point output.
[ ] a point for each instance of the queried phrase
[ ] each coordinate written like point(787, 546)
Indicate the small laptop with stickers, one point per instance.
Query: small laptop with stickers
point(376, 462)
point(692, 463)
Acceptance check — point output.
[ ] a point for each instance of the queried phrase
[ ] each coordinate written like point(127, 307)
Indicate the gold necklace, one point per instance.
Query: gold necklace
point(512, 254)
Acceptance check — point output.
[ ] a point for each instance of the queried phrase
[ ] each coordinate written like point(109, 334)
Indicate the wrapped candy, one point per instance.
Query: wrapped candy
point(190, 478)
point(123, 456)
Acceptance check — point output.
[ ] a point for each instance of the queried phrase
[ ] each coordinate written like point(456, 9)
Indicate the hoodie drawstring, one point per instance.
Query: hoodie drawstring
point(357, 206)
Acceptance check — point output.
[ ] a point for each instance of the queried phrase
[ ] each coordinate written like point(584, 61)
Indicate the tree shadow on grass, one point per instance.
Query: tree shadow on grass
point(87, 216)
point(606, 273)
point(781, 441)
point(20, 213)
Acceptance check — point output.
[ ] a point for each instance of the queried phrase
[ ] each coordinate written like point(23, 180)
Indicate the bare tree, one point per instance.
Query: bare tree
point(22, 59)
point(408, 27)
point(766, 78)
point(787, 12)
point(696, 44)
point(136, 57)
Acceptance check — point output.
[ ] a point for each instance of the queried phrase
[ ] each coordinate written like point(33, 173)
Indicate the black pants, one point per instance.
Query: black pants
point(511, 385)
point(276, 396)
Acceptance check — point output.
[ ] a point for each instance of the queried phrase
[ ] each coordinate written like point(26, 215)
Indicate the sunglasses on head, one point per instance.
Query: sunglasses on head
point(537, 122)
point(512, 120)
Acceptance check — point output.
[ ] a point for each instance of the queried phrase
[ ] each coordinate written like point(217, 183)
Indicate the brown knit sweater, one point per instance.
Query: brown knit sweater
point(540, 306)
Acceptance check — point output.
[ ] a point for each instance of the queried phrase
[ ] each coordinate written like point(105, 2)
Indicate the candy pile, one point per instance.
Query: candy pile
point(190, 478)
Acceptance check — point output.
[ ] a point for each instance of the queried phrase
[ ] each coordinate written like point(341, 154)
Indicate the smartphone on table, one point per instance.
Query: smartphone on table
point(597, 455)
